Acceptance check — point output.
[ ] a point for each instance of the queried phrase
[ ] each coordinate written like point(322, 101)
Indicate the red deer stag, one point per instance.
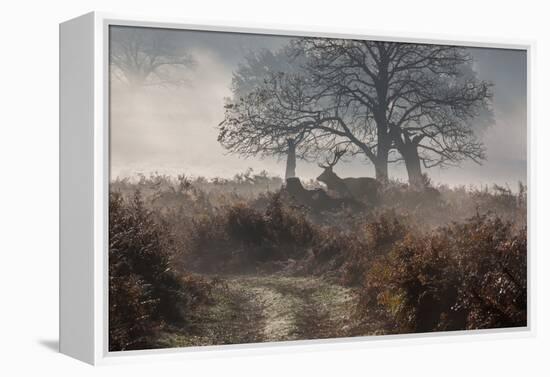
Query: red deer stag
point(317, 200)
point(361, 188)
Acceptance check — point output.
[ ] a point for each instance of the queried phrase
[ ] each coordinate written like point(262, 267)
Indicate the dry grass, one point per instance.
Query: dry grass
point(441, 259)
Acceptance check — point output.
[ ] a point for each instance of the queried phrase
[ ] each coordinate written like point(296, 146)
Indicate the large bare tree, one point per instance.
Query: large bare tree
point(424, 99)
point(278, 108)
point(378, 98)
point(271, 112)
point(438, 121)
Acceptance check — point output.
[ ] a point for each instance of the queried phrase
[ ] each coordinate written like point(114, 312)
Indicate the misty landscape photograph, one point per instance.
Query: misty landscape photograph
point(270, 188)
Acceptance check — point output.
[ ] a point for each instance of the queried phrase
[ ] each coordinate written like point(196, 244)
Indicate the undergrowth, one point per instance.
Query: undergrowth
point(439, 259)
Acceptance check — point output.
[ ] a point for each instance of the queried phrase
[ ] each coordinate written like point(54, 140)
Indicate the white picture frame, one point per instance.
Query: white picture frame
point(84, 180)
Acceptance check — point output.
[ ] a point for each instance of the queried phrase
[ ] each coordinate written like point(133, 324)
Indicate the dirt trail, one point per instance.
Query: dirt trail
point(298, 308)
point(272, 308)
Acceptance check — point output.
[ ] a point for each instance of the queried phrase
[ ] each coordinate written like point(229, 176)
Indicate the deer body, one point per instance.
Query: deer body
point(363, 187)
point(360, 188)
point(317, 199)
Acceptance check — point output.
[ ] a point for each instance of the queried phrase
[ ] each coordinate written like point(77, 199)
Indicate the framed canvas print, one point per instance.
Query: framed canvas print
point(232, 189)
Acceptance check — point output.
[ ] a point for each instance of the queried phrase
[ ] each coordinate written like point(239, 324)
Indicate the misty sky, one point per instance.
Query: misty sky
point(173, 130)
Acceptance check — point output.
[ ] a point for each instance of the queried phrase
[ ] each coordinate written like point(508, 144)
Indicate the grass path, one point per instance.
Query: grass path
point(271, 308)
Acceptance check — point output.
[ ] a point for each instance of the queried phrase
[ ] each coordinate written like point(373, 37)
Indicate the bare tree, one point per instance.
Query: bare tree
point(271, 112)
point(143, 57)
point(423, 99)
point(270, 120)
point(373, 97)
point(346, 69)
point(433, 120)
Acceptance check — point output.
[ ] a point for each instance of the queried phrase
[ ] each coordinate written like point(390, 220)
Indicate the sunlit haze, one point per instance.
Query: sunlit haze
point(173, 129)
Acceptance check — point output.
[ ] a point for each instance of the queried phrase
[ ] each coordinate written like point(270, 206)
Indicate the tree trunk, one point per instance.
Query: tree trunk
point(381, 168)
point(382, 153)
point(291, 159)
point(414, 169)
point(384, 139)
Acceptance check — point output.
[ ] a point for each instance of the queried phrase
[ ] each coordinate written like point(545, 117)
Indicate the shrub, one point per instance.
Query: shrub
point(336, 254)
point(471, 275)
point(373, 238)
point(241, 236)
point(410, 276)
point(287, 225)
point(384, 232)
point(145, 293)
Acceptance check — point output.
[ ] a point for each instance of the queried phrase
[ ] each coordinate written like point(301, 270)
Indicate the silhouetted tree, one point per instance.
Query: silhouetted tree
point(145, 56)
point(424, 99)
point(270, 112)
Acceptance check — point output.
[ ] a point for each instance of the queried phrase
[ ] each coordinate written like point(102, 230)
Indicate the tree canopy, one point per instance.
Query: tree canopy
point(389, 101)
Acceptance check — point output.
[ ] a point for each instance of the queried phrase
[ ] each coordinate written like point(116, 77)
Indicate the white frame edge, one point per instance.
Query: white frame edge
point(76, 199)
point(82, 275)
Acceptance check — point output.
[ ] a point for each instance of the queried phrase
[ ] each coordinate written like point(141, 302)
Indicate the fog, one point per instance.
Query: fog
point(173, 129)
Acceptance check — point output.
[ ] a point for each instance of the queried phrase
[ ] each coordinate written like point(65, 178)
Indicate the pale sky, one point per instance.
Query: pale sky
point(173, 130)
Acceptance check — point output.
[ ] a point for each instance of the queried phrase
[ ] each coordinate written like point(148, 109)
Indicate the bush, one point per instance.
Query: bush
point(374, 238)
point(240, 236)
point(441, 205)
point(464, 276)
point(428, 260)
point(145, 293)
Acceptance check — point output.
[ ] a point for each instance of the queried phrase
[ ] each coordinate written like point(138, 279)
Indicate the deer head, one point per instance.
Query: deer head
point(328, 176)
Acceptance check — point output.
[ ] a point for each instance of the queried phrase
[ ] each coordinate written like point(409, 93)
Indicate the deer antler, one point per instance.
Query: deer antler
point(337, 154)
